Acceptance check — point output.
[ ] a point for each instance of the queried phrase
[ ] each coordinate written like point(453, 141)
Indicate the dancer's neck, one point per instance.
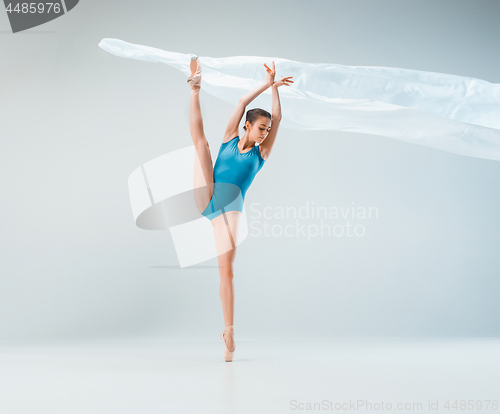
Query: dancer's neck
point(246, 143)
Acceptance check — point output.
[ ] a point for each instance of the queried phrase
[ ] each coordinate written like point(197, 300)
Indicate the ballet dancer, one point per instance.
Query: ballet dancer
point(220, 189)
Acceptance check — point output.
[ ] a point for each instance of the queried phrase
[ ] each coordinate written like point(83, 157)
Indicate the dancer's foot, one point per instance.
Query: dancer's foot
point(194, 81)
point(227, 337)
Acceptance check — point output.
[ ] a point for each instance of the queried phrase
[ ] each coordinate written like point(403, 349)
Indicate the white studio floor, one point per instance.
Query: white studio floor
point(341, 375)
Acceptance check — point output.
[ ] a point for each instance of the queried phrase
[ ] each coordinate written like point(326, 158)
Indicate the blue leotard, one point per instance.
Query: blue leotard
point(233, 174)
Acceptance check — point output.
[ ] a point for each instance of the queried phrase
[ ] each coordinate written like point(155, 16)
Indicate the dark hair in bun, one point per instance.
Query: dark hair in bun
point(254, 114)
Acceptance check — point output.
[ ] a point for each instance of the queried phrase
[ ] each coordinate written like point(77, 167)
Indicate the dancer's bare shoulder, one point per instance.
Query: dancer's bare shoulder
point(229, 137)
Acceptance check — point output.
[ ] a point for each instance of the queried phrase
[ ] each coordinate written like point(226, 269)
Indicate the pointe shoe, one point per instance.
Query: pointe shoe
point(194, 81)
point(228, 355)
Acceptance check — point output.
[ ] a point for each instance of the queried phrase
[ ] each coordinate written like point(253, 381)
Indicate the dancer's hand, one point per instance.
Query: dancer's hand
point(270, 74)
point(283, 81)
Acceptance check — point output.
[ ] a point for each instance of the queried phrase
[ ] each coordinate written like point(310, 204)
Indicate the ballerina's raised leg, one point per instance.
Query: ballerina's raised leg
point(203, 177)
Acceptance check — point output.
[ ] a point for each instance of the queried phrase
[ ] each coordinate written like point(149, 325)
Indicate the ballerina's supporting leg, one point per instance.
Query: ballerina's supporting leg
point(226, 227)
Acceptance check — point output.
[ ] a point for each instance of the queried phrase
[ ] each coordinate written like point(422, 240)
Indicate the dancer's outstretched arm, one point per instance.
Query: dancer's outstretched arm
point(235, 119)
point(250, 96)
point(268, 143)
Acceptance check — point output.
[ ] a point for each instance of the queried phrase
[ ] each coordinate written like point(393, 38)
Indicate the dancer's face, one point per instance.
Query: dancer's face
point(259, 130)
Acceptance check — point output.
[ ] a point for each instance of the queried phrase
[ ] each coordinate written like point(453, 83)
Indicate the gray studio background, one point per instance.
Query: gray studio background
point(76, 121)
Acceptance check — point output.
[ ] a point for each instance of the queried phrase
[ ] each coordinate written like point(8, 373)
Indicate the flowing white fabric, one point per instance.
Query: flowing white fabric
point(448, 112)
point(162, 198)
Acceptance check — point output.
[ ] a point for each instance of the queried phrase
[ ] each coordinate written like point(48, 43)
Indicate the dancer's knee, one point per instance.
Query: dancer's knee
point(226, 273)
